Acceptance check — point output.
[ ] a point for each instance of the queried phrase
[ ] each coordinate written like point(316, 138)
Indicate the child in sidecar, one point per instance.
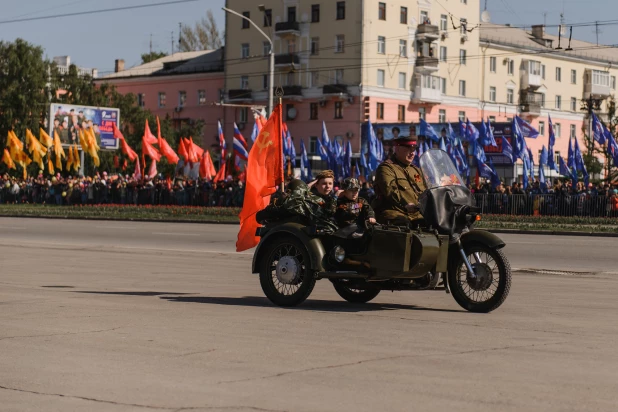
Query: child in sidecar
point(352, 211)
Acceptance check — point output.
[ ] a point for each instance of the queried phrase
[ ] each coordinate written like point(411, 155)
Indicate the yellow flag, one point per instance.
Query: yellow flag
point(83, 142)
point(45, 139)
point(16, 150)
point(69, 164)
point(76, 159)
point(58, 151)
point(6, 158)
point(35, 148)
point(50, 167)
point(93, 148)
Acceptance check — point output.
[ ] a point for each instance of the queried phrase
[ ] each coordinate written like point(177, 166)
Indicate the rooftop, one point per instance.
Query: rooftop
point(521, 38)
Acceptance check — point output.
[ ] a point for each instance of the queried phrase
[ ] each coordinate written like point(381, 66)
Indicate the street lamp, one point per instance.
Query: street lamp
point(271, 63)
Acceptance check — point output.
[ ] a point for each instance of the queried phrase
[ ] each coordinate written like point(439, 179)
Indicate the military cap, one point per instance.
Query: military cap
point(406, 141)
point(296, 184)
point(350, 184)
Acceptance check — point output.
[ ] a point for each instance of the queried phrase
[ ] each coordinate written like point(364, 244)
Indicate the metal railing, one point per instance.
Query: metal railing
point(584, 205)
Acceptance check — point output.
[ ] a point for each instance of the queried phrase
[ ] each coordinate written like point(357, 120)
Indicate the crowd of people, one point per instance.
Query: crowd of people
point(120, 189)
point(562, 198)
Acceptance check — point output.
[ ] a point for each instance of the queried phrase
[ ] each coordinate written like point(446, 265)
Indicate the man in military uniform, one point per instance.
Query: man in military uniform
point(398, 185)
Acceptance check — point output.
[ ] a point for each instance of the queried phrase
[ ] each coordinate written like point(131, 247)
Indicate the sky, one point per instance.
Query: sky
point(95, 40)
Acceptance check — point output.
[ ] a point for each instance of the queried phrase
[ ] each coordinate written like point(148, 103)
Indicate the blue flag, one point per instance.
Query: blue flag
point(442, 144)
point(323, 152)
point(483, 135)
point(372, 143)
point(462, 130)
point(543, 157)
point(364, 164)
point(305, 166)
point(495, 179)
point(479, 152)
point(550, 149)
point(598, 129)
point(484, 170)
point(564, 169)
point(571, 156)
point(490, 132)
point(427, 131)
point(347, 159)
point(526, 129)
point(579, 159)
point(450, 134)
point(507, 149)
point(472, 133)
point(612, 149)
point(531, 164)
point(542, 182)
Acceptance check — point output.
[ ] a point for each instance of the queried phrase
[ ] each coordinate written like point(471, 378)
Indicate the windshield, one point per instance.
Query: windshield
point(439, 169)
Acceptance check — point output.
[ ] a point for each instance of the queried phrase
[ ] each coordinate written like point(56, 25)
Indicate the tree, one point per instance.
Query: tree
point(148, 57)
point(205, 35)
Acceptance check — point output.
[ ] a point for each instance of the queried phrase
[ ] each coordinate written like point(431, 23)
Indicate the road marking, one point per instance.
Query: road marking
point(176, 234)
point(13, 227)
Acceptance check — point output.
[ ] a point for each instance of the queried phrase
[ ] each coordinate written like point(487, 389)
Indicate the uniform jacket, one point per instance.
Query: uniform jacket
point(352, 211)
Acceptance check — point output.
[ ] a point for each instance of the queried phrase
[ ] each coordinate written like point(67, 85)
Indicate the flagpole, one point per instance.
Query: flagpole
point(279, 93)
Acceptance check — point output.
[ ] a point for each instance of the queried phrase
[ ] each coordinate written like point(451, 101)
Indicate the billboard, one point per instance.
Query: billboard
point(68, 119)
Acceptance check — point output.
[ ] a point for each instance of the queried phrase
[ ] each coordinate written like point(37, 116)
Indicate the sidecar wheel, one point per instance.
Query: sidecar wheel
point(285, 276)
point(490, 288)
point(353, 293)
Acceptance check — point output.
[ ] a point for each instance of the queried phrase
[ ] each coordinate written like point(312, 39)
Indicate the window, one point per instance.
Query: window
point(424, 17)
point(492, 64)
point(534, 67)
point(340, 10)
point(244, 82)
point(289, 79)
point(543, 71)
point(511, 67)
point(244, 50)
point(380, 77)
point(339, 76)
point(492, 119)
point(422, 113)
point(292, 14)
point(268, 18)
point(162, 99)
point(558, 74)
point(288, 109)
point(182, 98)
point(244, 22)
point(265, 48)
point(382, 11)
point(402, 80)
point(463, 1)
point(315, 79)
point(463, 26)
point(141, 99)
point(492, 94)
point(461, 116)
point(542, 128)
point(338, 110)
point(600, 78)
point(558, 102)
point(557, 129)
point(313, 111)
point(443, 85)
point(442, 53)
point(403, 15)
point(264, 82)
point(573, 131)
point(542, 95)
point(462, 88)
point(443, 22)
point(291, 43)
point(510, 96)
point(401, 113)
point(243, 114)
point(574, 76)
point(381, 45)
point(380, 111)
point(403, 48)
point(315, 46)
point(573, 104)
point(313, 144)
point(315, 13)
point(201, 97)
point(613, 82)
point(442, 116)
point(339, 43)
point(462, 56)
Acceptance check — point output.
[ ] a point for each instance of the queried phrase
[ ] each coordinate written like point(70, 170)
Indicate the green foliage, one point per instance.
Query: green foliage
point(148, 57)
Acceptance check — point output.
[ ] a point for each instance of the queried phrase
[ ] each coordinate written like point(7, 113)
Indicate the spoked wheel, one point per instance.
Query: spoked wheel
point(489, 288)
point(285, 276)
point(354, 292)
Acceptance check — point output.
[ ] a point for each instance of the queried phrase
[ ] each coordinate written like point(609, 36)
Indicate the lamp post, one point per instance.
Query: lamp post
point(271, 63)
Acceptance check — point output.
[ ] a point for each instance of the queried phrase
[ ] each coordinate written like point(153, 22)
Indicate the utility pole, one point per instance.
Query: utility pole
point(151, 43)
point(597, 30)
point(179, 35)
point(172, 42)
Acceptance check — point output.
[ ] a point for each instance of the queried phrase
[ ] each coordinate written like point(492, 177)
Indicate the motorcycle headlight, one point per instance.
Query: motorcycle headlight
point(338, 253)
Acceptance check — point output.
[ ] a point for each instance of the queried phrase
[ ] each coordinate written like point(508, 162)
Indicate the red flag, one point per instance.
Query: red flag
point(124, 146)
point(192, 151)
point(264, 173)
point(164, 147)
point(117, 132)
point(124, 164)
point(182, 150)
point(150, 151)
point(116, 162)
point(152, 172)
point(148, 136)
point(207, 168)
point(199, 152)
point(138, 170)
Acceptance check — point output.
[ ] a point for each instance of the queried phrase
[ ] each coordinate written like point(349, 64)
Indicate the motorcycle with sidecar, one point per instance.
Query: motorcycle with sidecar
point(292, 256)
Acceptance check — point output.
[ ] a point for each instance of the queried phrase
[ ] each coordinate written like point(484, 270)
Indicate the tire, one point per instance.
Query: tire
point(354, 294)
point(285, 275)
point(487, 292)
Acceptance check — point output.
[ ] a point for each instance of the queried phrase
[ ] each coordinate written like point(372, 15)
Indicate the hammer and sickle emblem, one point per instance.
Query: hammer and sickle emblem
point(260, 142)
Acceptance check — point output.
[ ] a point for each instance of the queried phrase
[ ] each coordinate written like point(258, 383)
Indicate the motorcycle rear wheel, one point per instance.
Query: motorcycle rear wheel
point(490, 288)
point(285, 275)
point(353, 293)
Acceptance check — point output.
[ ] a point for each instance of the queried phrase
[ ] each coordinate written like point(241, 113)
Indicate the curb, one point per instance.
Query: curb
point(549, 232)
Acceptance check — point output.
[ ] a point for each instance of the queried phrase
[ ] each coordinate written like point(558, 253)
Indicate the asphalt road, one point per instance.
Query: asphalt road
point(114, 316)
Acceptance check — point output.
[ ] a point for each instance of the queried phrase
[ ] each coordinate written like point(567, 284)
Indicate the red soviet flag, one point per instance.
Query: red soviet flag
point(182, 150)
point(148, 136)
point(164, 147)
point(264, 173)
point(148, 150)
point(207, 168)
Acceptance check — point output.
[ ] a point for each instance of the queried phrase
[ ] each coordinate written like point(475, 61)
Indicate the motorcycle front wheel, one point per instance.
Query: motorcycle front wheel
point(355, 293)
point(487, 290)
point(285, 276)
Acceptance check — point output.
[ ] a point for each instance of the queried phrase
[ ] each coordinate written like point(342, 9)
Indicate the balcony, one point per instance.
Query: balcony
point(531, 76)
point(596, 84)
point(531, 104)
point(288, 28)
point(334, 89)
point(239, 95)
point(292, 91)
point(426, 89)
point(427, 32)
point(426, 63)
point(289, 60)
